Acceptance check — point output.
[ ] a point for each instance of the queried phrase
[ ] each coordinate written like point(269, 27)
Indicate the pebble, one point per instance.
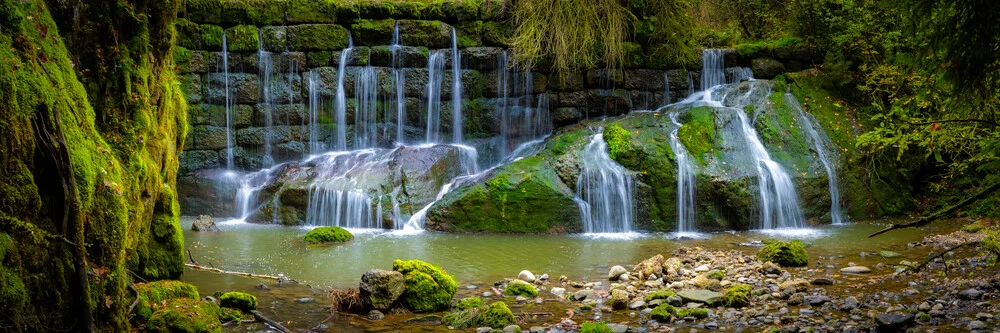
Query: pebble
point(484, 330)
point(512, 329)
point(639, 304)
point(850, 303)
point(375, 315)
point(544, 277)
point(817, 299)
point(855, 270)
point(615, 272)
point(821, 282)
point(702, 268)
point(526, 276)
point(304, 300)
point(677, 285)
point(618, 328)
point(558, 291)
point(984, 316)
point(976, 325)
point(970, 294)
point(488, 294)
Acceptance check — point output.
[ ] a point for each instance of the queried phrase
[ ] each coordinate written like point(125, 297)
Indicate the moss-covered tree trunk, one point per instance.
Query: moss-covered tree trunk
point(105, 69)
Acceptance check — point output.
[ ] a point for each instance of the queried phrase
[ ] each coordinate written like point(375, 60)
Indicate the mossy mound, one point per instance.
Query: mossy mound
point(663, 312)
point(716, 274)
point(238, 300)
point(595, 328)
point(190, 316)
point(786, 254)
point(699, 313)
point(698, 133)
point(328, 235)
point(428, 287)
point(618, 140)
point(520, 288)
point(153, 293)
point(737, 296)
point(496, 315)
point(469, 302)
point(660, 294)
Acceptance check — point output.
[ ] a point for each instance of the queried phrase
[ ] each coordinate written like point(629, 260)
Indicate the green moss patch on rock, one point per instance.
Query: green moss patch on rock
point(469, 302)
point(190, 316)
point(373, 32)
point(242, 38)
point(238, 300)
point(663, 312)
point(698, 133)
point(432, 34)
point(328, 235)
point(153, 293)
point(520, 288)
point(660, 294)
point(496, 315)
point(428, 288)
point(737, 296)
point(317, 37)
point(786, 254)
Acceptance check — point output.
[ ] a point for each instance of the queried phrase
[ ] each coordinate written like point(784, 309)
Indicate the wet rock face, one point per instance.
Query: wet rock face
point(381, 288)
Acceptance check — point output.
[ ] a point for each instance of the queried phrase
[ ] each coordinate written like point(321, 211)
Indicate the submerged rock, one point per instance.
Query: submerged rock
point(204, 223)
point(700, 296)
point(886, 322)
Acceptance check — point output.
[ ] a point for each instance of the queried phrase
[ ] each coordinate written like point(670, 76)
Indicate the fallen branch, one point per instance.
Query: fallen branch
point(210, 269)
point(136, 301)
point(272, 323)
point(191, 257)
point(939, 255)
point(941, 213)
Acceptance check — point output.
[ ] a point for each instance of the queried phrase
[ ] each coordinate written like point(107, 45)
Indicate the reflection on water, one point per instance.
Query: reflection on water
point(484, 258)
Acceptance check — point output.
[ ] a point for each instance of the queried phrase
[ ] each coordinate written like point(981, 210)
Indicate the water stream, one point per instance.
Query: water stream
point(228, 103)
point(456, 89)
point(435, 79)
point(827, 153)
point(605, 190)
point(340, 106)
point(687, 211)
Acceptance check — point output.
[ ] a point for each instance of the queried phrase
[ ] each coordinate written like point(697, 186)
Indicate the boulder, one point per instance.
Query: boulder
point(615, 272)
point(797, 284)
point(649, 267)
point(381, 288)
point(700, 296)
point(789, 254)
point(619, 299)
point(766, 68)
point(428, 287)
point(204, 223)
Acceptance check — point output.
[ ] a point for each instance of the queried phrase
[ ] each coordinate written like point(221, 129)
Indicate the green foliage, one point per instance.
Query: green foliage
point(242, 38)
point(698, 133)
point(469, 302)
point(328, 235)
point(520, 288)
point(238, 300)
point(974, 227)
point(756, 18)
point(737, 296)
point(428, 287)
point(660, 294)
point(787, 254)
point(618, 140)
point(595, 328)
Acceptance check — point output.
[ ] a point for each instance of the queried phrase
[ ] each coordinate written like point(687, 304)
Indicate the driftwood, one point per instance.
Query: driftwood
point(941, 213)
point(272, 323)
point(252, 275)
point(939, 255)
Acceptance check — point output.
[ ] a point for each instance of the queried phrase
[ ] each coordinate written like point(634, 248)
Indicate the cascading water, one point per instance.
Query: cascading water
point(340, 108)
point(456, 89)
point(229, 121)
point(779, 202)
point(826, 156)
point(713, 71)
point(690, 83)
point(315, 137)
point(687, 211)
point(399, 85)
point(435, 79)
point(604, 190)
point(365, 112)
point(266, 69)
point(520, 120)
point(666, 89)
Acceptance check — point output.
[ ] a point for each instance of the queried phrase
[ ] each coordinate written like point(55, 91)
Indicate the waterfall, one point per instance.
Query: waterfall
point(456, 89)
point(503, 73)
point(345, 208)
point(666, 88)
point(713, 71)
point(229, 116)
point(315, 143)
point(249, 186)
point(826, 156)
point(523, 117)
point(690, 83)
point(266, 69)
point(605, 190)
point(435, 78)
point(468, 161)
point(687, 211)
point(366, 110)
point(779, 202)
point(340, 108)
point(399, 85)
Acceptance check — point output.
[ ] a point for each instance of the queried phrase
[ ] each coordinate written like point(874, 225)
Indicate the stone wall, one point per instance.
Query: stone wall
point(302, 36)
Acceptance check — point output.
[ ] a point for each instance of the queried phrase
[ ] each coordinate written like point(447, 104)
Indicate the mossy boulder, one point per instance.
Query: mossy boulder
point(190, 316)
point(595, 328)
point(313, 11)
point(699, 313)
point(328, 235)
point(469, 303)
point(432, 34)
point(737, 296)
point(660, 294)
point(663, 312)
point(496, 315)
point(211, 37)
point(520, 288)
point(619, 299)
point(256, 12)
point(238, 300)
point(153, 293)
point(786, 254)
point(317, 37)
point(428, 287)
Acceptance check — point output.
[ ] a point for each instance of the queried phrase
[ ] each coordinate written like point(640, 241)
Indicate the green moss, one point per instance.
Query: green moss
point(256, 12)
point(660, 294)
point(153, 293)
point(312, 11)
point(974, 227)
point(469, 302)
point(595, 328)
point(699, 313)
point(520, 288)
point(663, 312)
point(737, 296)
point(188, 34)
point(211, 37)
point(618, 140)
point(238, 300)
point(204, 11)
point(328, 235)
point(373, 32)
point(717, 274)
point(317, 37)
point(428, 287)
point(242, 38)
point(788, 254)
point(698, 133)
point(186, 315)
point(432, 34)
point(496, 315)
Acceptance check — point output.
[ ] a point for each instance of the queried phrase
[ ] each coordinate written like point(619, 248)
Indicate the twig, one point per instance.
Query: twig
point(941, 213)
point(203, 268)
point(190, 257)
point(136, 301)
point(318, 326)
point(939, 255)
point(272, 323)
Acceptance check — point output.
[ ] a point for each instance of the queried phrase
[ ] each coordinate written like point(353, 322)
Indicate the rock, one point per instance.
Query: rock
point(584, 295)
point(817, 299)
point(788, 254)
point(615, 272)
point(653, 284)
point(702, 268)
point(976, 325)
point(618, 328)
point(520, 288)
point(766, 68)
point(798, 284)
point(544, 277)
point(428, 287)
point(512, 329)
point(821, 282)
point(675, 300)
point(887, 322)
point(484, 330)
point(700, 296)
point(770, 268)
point(380, 288)
point(623, 278)
point(889, 254)
point(796, 299)
point(676, 285)
point(649, 267)
point(375, 315)
point(526, 276)
point(855, 270)
point(204, 223)
point(970, 294)
point(305, 300)
point(850, 303)
point(619, 299)
point(638, 304)
point(558, 291)
point(705, 283)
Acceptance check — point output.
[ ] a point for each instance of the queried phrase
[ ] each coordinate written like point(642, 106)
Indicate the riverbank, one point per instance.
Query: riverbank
point(851, 301)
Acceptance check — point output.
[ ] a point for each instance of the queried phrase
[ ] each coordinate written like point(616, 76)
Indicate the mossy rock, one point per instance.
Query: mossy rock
point(618, 140)
point(189, 316)
point(255, 12)
point(432, 34)
point(737, 296)
point(786, 254)
point(211, 37)
point(660, 294)
point(317, 37)
point(428, 287)
point(498, 315)
point(373, 32)
point(497, 34)
point(188, 34)
point(697, 133)
point(242, 38)
point(469, 303)
point(974, 227)
point(328, 235)
point(238, 300)
point(595, 328)
point(156, 292)
point(663, 312)
point(312, 11)
point(204, 11)
point(520, 288)
point(699, 313)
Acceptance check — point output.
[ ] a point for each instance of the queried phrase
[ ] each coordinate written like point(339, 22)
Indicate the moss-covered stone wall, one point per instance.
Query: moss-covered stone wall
point(95, 80)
